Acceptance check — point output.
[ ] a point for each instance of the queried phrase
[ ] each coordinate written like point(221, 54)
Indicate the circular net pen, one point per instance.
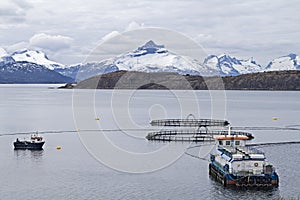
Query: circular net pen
point(189, 122)
point(191, 135)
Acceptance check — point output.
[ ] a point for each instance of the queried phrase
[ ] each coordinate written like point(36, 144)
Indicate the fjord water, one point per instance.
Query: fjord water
point(73, 173)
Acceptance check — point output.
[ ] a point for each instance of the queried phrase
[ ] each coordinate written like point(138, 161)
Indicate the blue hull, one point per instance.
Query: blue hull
point(263, 180)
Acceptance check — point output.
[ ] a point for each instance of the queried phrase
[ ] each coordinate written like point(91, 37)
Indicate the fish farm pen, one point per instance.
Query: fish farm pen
point(189, 122)
point(190, 135)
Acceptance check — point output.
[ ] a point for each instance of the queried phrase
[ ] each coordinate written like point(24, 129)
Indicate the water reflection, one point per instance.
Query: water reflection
point(33, 155)
point(220, 192)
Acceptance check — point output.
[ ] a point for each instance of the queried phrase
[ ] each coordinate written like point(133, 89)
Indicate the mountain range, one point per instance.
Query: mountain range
point(150, 57)
point(30, 67)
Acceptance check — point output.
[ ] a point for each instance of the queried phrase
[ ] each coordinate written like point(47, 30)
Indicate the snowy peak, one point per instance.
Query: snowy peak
point(149, 57)
point(288, 62)
point(156, 58)
point(149, 48)
point(37, 57)
point(227, 65)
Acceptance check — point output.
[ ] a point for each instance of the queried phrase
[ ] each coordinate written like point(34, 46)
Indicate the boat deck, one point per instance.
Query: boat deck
point(242, 152)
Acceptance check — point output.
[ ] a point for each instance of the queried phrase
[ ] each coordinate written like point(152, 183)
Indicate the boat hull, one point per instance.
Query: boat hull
point(262, 180)
point(28, 145)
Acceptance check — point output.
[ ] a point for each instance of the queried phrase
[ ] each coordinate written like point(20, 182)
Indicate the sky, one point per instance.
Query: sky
point(67, 31)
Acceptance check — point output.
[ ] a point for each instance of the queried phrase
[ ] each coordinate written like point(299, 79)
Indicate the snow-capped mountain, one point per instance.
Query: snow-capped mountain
point(26, 72)
point(29, 67)
point(37, 57)
point(156, 58)
point(289, 62)
point(147, 58)
point(82, 71)
point(227, 65)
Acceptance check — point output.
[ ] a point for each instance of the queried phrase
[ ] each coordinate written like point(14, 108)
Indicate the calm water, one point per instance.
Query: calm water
point(73, 173)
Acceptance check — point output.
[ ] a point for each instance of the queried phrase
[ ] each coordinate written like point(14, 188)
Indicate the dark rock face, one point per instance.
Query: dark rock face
point(277, 80)
point(67, 86)
point(135, 80)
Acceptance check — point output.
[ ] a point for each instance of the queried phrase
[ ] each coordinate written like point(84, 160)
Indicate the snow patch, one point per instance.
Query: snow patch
point(35, 57)
point(289, 62)
point(227, 65)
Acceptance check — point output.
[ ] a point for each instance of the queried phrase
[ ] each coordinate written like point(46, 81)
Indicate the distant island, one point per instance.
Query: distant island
point(274, 80)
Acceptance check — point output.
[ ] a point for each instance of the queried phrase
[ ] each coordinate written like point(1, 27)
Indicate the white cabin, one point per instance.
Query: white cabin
point(236, 158)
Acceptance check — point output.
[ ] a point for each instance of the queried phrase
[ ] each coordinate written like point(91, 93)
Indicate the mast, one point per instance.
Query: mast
point(229, 130)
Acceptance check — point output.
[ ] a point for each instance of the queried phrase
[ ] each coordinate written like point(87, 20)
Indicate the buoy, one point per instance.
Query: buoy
point(58, 147)
point(274, 118)
point(97, 118)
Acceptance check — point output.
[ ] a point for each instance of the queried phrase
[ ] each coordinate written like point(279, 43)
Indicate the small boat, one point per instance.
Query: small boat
point(36, 142)
point(235, 164)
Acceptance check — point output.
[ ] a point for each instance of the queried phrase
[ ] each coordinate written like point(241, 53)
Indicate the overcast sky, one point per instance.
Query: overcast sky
point(68, 30)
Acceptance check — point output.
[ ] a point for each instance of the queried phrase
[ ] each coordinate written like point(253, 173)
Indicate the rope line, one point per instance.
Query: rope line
point(258, 144)
point(287, 128)
point(198, 157)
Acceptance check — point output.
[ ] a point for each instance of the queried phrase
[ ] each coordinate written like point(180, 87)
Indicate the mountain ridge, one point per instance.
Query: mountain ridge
point(25, 72)
point(152, 57)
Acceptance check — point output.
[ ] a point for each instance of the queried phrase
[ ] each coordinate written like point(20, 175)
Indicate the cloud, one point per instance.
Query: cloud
point(110, 35)
point(23, 4)
point(2, 52)
point(130, 27)
point(14, 11)
point(51, 42)
point(133, 26)
point(17, 46)
point(257, 28)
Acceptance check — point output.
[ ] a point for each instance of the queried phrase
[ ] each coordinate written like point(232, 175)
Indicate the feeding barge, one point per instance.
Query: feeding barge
point(235, 164)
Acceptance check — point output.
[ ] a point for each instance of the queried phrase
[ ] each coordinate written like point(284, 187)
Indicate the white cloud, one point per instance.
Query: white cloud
point(17, 46)
point(254, 28)
point(13, 11)
point(133, 26)
point(51, 42)
point(110, 35)
point(2, 52)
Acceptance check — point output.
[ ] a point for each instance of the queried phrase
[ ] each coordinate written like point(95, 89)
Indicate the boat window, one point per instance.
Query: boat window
point(237, 143)
point(227, 143)
point(220, 142)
